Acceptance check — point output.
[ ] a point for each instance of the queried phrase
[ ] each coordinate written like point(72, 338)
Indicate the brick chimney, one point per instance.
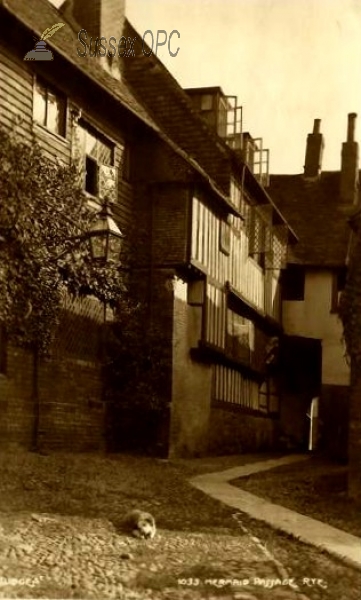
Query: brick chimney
point(314, 151)
point(349, 182)
point(99, 18)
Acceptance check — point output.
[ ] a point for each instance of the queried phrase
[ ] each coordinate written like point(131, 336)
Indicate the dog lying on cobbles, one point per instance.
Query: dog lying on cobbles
point(140, 524)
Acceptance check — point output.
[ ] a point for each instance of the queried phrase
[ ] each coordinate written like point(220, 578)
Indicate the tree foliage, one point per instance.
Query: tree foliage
point(43, 217)
point(137, 369)
point(350, 305)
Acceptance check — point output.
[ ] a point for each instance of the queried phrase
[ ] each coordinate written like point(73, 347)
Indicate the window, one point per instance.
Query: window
point(293, 283)
point(338, 285)
point(225, 237)
point(49, 108)
point(98, 156)
point(239, 336)
point(206, 102)
point(259, 231)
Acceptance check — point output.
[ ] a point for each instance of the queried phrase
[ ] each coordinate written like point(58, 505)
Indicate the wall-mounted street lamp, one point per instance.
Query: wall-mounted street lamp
point(105, 237)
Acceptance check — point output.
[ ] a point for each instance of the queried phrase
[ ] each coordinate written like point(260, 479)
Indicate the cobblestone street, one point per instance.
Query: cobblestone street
point(60, 537)
point(72, 557)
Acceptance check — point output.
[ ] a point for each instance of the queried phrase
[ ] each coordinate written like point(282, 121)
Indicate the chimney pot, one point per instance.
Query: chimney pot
point(349, 180)
point(314, 151)
point(351, 126)
point(317, 126)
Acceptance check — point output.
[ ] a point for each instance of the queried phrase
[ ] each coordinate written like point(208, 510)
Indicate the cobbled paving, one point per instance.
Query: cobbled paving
point(56, 556)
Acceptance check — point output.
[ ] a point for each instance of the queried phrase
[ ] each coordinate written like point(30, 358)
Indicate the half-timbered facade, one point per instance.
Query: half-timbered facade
point(210, 243)
point(224, 259)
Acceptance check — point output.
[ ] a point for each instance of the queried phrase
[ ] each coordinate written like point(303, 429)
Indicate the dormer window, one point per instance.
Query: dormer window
point(49, 108)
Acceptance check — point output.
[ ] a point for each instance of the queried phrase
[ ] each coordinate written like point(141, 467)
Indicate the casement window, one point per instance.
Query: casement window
point(276, 258)
point(225, 237)
point(96, 162)
point(206, 102)
point(206, 238)
point(49, 108)
point(338, 285)
point(239, 337)
point(259, 236)
point(212, 303)
point(293, 283)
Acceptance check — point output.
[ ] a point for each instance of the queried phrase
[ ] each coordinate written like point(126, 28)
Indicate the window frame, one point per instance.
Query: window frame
point(61, 98)
point(259, 237)
point(85, 157)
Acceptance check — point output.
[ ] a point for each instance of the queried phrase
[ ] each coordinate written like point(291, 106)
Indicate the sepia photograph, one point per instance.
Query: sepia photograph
point(180, 300)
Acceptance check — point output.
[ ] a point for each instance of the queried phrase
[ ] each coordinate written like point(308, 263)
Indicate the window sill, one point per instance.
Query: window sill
point(246, 410)
point(206, 352)
point(94, 201)
point(45, 132)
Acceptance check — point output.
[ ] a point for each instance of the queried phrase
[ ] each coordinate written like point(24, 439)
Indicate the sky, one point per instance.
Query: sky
point(287, 61)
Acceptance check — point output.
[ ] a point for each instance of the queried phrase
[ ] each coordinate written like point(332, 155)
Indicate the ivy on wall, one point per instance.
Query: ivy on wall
point(43, 217)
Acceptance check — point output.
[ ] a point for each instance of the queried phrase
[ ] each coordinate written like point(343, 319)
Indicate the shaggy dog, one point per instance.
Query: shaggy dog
point(141, 524)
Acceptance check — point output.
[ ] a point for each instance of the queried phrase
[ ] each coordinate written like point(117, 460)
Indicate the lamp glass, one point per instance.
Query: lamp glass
point(114, 247)
point(99, 245)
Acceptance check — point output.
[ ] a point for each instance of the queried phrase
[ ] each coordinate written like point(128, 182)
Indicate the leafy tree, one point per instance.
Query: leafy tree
point(350, 313)
point(43, 253)
point(137, 372)
point(43, 217)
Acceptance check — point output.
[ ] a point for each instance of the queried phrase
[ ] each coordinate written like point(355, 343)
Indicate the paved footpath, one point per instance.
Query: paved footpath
point(338, 543)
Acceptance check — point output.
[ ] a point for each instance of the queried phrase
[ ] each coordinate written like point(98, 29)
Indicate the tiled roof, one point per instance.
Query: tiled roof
point(147, 89)
point(314, 211)
point(37, 15)
point(173, 110)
